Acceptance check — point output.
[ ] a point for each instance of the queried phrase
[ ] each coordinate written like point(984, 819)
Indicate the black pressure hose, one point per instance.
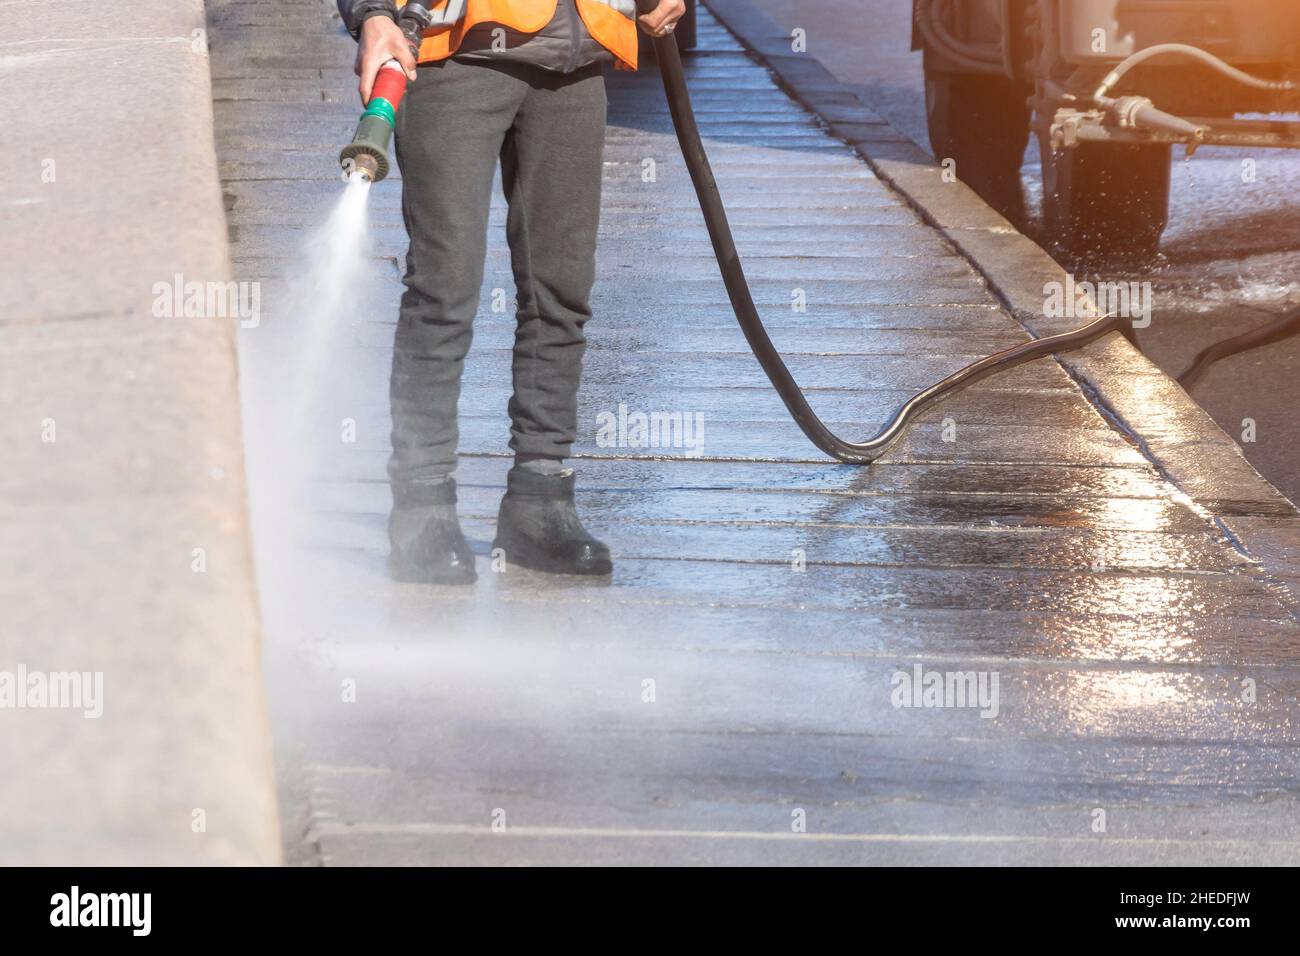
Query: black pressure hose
point(1267, 334)
point(742, 302)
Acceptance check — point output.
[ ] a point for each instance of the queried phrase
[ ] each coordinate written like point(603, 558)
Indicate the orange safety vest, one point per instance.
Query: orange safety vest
point(611, 23)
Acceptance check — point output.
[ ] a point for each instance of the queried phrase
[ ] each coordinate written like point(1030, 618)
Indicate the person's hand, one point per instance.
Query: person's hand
point(381, 41)
point(660, 21)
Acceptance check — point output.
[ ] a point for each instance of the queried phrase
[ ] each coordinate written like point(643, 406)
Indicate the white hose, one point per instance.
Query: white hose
point(1196, 53)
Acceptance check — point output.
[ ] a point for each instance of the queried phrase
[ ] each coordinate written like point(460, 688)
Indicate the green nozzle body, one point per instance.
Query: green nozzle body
point(368, 151)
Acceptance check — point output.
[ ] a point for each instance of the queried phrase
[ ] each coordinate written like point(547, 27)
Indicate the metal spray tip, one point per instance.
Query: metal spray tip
point(361, 159)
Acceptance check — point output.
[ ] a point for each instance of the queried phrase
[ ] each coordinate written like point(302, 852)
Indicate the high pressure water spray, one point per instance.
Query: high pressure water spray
point(367, 154)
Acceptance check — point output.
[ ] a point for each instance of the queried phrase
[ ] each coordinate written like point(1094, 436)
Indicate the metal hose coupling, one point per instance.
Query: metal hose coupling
point(367, 154)
point(1138, 112)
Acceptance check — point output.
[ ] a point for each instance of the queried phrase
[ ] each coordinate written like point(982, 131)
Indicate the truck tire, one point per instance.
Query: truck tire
point(982, 124)
point(1105, 200)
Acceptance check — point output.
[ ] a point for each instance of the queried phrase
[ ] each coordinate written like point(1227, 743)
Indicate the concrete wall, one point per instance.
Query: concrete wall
point(123, 537)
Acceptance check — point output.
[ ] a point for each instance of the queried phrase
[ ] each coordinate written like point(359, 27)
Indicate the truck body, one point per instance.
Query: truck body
point(1191, 73)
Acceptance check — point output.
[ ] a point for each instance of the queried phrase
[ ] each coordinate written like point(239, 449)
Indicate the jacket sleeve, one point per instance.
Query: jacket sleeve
point(357, 12)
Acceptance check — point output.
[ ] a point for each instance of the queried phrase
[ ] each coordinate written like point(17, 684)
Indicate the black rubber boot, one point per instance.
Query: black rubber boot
point(427, 545)
point(538, 527)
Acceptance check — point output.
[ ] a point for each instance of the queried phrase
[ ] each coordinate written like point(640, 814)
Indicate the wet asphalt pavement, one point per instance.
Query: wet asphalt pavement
point(741, 690)
point(1229, 260)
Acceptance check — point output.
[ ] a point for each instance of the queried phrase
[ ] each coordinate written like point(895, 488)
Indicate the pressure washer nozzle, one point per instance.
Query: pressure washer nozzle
point(367, 167)
point(367, 154)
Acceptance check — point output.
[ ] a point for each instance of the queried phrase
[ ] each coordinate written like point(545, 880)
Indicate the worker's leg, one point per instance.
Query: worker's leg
point(449, 134)
point(551, 168)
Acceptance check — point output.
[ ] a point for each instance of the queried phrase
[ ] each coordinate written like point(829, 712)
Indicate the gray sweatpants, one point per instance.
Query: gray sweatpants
point(548, 130)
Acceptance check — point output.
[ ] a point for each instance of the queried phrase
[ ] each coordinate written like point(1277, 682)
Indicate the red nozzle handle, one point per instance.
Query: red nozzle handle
point(390, 84)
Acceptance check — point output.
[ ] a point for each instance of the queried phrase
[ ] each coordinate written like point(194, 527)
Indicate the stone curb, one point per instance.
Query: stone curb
point(124, 544)
point(1149, 407)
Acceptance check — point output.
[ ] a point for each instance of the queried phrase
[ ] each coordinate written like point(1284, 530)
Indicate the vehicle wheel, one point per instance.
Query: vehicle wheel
point(1105, 200)
point(982, 124)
